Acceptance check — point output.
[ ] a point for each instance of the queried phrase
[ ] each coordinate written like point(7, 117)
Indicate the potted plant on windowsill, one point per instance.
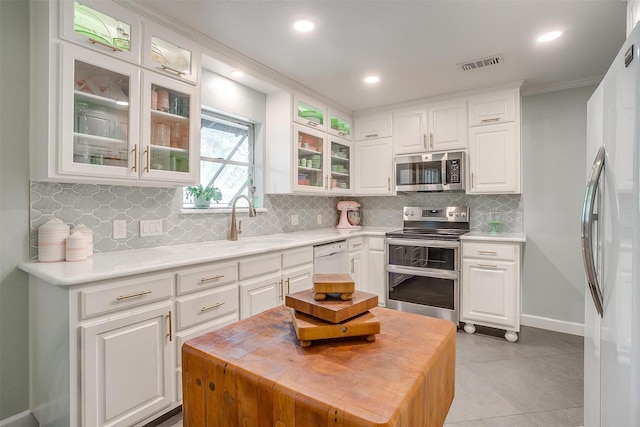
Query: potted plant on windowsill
point(202, 196)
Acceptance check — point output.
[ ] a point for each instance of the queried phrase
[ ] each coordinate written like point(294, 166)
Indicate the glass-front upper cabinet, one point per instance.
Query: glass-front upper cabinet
point(104, 26)
point(171, 130)
point(99, 115)
point(171, 53)
point(340, 165)
point(309, 160)
point(309, 113)
point(339, 125)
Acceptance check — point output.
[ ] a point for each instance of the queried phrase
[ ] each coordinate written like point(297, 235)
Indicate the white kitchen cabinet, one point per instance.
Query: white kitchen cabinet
point(491, 286)
point(303, 158)
point(170, 53)
point(297, 270)
point(374, 167)
point(106, 27)
point(495, 107)
point(373, 126)
point(410, 131)
point(447, 125)
point(258, 295)
point(127, 372)
point(375, 275)
point(355, 247)
point(494, 159)
point(340, 124)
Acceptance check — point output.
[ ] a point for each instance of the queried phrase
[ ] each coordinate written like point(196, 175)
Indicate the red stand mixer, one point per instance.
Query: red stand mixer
point(350, 216)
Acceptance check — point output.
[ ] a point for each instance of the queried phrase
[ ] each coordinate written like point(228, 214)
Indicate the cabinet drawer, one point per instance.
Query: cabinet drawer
point(355, 244)
point(199, 278)
point(182, 337)
point(296, 257)
point(206, 306)
point(376, 244)
point(125, 294)
point(259, 265)
point(489, 251)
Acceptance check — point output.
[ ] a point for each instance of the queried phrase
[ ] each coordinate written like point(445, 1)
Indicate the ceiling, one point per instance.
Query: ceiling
point(414, 46)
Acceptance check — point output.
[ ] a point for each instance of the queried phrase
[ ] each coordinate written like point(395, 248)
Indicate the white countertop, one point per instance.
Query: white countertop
point(136, 261)
point(495, 237)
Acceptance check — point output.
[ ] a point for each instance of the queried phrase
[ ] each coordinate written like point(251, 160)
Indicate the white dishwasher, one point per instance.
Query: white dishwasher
point(331, 258)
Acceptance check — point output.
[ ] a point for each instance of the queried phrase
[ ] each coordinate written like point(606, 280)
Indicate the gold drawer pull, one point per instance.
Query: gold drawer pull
point(108, 46)
point(216, 305)
point(371, 135)
point(137, 294)
point(487, 266)
point(209, 279)
point(314, 124)
point(173, 70)
point(355, 245)
point(496, 119)
point(487, 253)
point(170, 334)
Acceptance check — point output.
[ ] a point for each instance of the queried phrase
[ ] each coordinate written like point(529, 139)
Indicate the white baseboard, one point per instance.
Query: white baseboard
point(23, 419)
point(552, 324)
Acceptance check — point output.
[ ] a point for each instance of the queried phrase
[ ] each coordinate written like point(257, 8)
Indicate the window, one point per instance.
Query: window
point(226, 157)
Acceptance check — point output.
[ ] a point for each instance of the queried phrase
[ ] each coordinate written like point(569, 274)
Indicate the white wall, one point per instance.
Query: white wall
point(554, 168)
point(14, 207)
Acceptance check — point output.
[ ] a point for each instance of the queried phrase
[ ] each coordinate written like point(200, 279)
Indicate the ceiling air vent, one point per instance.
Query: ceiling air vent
point(481, 63)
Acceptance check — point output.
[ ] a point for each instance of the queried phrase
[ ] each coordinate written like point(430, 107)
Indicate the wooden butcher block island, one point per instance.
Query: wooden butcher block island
point(255, 373)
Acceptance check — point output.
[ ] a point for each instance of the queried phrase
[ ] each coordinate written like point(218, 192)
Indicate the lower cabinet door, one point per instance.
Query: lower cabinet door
point(127, 367)
point(258, 295)
point(355, 268)
point(297, 279)
point(489, 292)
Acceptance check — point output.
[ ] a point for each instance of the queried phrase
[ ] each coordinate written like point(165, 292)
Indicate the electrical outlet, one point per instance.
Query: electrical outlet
point(319, 219)
point(150, 227)
point(119, 228)
point(294, 219)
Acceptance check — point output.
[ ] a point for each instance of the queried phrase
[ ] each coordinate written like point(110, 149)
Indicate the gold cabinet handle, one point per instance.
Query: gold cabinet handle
point(212, 278)
point(472, 184)
point(134, 152)
point(424, 140)
point(137, 294)
point(314, 124)
point(281, 290)
point(211, 307)
point(357, 245)
point(431, 140)
point(326, 182)
point(495, 119)
point(371, 135)
point(388, 183)
point(170, 334)
point(487, 253)
point(173, 70)
point(353, 265)
point(288, 285)
point(108, 46)
point(487, 266)
point(147, 154)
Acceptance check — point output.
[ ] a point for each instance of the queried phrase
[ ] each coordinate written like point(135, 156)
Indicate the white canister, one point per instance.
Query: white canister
point(51, 241)
point(76, 249)
point(88, 234)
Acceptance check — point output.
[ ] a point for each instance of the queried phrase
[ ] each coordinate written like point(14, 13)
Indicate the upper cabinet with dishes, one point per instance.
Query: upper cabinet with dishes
point(434, 127)
point(101, 118)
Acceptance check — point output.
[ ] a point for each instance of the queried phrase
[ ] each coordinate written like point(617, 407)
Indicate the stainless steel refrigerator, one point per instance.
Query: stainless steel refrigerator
point(611, 244)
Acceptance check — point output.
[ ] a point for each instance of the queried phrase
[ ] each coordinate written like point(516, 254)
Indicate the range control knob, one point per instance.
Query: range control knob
point(457, 214)
point(450, 213)
point(464, 214)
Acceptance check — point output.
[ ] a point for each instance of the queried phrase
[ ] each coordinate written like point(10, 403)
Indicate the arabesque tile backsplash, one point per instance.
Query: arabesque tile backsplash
point(98, 205)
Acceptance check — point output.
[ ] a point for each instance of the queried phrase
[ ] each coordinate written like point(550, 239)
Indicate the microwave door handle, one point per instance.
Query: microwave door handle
point(444, 172)
point(587, 230)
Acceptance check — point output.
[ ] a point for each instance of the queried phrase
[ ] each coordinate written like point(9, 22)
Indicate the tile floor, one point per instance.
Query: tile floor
point(536, 382)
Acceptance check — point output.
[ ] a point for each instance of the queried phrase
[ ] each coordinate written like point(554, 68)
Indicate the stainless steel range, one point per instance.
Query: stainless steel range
point(423, 261)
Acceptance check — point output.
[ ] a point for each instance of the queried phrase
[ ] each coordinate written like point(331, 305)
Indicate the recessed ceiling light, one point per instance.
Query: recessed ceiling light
point(237, 73)
point(371, 79)
point(547, 37)
point(303, 25)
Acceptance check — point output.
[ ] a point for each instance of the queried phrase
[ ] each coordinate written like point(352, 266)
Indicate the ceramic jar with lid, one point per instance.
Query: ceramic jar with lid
point(88, 234)
point(76, 247)
point(51, 241)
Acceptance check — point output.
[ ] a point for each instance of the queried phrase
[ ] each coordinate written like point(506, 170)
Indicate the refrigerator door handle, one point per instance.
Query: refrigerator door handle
point(587, 230)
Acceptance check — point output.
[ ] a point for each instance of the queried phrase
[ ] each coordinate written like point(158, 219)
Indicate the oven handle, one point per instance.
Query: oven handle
point(447, 244)
point(424, 272)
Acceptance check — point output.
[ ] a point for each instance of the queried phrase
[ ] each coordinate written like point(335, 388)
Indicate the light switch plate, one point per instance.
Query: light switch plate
point(119, 228)
point(294, 219)
point(319, 219)
point(150, 227)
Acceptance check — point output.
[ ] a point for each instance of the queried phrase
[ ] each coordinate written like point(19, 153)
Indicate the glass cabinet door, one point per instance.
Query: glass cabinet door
point(341, 166)
point(170, 53)
point(339, 126)
point(103, 26)
point(171, 133)
point(99, 111)
point(309, 158)
point(309, 113)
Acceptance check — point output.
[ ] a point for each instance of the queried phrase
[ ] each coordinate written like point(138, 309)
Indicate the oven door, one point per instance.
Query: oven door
point(422, 277)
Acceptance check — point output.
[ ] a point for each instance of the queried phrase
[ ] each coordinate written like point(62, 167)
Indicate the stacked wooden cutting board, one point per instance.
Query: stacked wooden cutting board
point(332, 309)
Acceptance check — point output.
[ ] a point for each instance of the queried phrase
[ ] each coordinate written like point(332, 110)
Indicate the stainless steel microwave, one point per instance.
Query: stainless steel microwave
point(443, 171)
